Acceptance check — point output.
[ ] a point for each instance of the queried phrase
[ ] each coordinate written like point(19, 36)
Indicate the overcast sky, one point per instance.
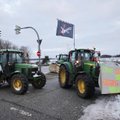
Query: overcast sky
point(97, 24)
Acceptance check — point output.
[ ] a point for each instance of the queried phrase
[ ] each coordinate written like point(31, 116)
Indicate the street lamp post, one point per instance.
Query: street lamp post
point(39, 43)
point(18, 28)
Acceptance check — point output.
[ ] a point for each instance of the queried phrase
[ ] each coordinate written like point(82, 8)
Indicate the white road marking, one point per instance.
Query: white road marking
point(20, 111)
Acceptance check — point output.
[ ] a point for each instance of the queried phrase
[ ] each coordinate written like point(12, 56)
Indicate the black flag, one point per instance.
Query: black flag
point(64, 29)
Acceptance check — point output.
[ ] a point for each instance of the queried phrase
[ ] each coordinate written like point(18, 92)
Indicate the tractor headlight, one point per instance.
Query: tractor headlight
point(77, 62)
point(98, 61)
point(33, 72)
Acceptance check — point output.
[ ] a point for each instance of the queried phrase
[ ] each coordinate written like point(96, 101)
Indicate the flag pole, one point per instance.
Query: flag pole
point(74, 37)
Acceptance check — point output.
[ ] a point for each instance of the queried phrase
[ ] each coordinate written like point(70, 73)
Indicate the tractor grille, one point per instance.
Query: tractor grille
point(24, 71)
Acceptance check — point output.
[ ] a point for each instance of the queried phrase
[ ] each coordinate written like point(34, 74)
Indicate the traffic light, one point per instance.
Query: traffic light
point(0, 33)
point(17, 29)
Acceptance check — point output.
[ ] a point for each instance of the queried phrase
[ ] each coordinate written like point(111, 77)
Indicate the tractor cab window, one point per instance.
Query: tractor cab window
point(87, 56)
point(19, 58)
point(72, 56)
point(79, 56)
point(11, 57)
point(82, 56)
point(64, 57)
point(4, 58)
point(0, 58)
point(97, 54)
point(15, 58)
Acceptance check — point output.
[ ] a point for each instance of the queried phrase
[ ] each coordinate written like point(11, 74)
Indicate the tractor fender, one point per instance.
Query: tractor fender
point(11, 75)
point(67, 66)
point(69, 69)
point(15, 72)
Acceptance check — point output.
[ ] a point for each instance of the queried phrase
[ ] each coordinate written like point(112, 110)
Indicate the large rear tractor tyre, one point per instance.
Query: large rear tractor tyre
point(85, 86)
point(39, 83)
point(19, 84)
point(64, 77)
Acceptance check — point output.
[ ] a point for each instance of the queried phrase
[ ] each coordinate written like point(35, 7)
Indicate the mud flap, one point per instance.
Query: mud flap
point(109, 78)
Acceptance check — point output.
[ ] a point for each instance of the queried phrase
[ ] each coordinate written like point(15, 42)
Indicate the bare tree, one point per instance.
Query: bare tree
point(1, 44)
point(26, 52)
point(15, 47)
point(8, 45)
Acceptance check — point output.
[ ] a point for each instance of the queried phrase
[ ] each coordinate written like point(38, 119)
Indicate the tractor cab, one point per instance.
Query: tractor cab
point(82, 59)
point(8, 59)
point(61, 58)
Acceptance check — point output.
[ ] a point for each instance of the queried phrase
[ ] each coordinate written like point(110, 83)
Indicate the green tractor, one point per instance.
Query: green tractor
point(17, 73)
point(54, 67)
point(61, 58)
point(82, 70)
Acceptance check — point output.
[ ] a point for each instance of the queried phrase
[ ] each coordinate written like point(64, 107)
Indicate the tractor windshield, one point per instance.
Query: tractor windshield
point(15, 57)
point(86, 55)
point(90, 55)
point(63, 57)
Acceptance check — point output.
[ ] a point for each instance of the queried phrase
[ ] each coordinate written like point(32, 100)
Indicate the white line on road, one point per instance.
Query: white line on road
point(22, 112)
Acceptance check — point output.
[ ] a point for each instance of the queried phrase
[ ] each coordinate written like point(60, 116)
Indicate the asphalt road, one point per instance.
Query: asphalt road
point(49, 103)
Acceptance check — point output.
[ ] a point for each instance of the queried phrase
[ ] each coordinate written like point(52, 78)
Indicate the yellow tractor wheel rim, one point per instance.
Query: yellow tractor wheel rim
point(17, 84)
point(81, 86)
point(63, 76)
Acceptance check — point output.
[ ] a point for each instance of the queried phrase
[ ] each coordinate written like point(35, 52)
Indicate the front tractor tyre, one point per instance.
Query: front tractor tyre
point(64, 77)
point(85, 86)
point(40, 81)
point(19, 84)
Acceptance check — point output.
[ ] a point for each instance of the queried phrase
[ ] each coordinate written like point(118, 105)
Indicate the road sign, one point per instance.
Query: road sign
point(38, 53)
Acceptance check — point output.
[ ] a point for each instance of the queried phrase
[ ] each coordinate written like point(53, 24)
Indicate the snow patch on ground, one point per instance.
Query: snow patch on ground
point(103, 110)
